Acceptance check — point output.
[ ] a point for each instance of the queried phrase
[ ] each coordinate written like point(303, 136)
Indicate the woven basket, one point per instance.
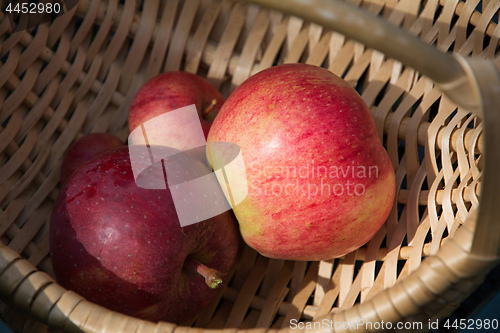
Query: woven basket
point(78, 74)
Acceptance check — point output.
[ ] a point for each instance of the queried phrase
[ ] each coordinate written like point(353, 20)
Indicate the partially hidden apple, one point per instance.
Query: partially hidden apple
point(320, 183)
point(85, 149)
point(121, 246)
point(170, 91)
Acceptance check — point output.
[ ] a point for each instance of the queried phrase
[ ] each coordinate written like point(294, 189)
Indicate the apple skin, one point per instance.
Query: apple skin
point(121, 246)
point(170, 91)
point(85, 149)
point(302, 117)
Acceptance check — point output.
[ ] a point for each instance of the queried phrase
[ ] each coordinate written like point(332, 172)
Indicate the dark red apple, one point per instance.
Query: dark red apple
point(86, 148)
point(320, 182)
point(121, 246)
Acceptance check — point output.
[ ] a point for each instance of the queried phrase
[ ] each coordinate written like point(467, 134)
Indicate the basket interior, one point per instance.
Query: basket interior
point(66, 78)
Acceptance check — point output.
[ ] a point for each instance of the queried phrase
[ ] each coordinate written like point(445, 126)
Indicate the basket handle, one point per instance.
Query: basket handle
point(444, 69)
point(470, 83)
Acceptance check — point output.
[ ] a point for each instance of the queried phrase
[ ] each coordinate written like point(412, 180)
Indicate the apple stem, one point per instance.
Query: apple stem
point(212, 277)
point(210, 107)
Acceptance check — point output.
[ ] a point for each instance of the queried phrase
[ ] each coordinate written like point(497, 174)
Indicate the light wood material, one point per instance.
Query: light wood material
point(434, 99)
point(381, 35)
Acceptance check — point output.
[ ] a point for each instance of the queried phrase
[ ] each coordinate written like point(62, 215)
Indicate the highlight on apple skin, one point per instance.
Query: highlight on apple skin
point(320, 181)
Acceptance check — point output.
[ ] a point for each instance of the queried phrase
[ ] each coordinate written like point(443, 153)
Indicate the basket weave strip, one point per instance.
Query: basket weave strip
point(79, 74)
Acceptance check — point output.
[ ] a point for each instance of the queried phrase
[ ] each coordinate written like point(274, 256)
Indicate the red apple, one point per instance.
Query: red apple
point(121, 246)
point(320, 182)
point(86, 148)
point(170, 91)
point(151, 120)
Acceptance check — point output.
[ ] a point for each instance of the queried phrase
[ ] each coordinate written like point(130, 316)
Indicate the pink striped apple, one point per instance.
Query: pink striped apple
point(320, 183)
